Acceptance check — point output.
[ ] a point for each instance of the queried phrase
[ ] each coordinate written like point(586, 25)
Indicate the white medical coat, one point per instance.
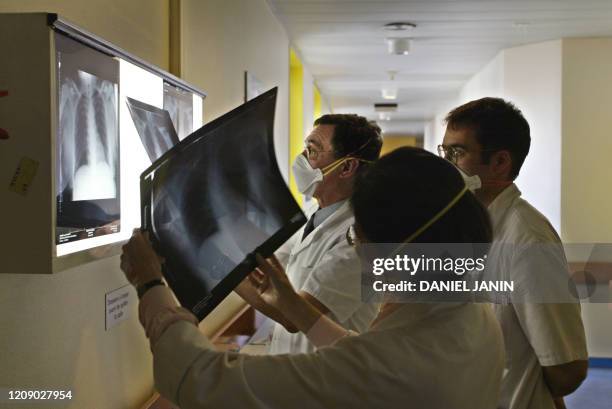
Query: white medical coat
point(325, 266)
point(425, 356)
point(535, 334)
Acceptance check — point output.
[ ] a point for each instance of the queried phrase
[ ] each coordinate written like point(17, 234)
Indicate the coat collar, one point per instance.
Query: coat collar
point(336, 218)
point(501, 204)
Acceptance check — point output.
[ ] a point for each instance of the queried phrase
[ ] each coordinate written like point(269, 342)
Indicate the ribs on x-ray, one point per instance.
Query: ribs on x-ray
point(214, 200)
point(159, 139)
point(154, 127)
point(89, 141)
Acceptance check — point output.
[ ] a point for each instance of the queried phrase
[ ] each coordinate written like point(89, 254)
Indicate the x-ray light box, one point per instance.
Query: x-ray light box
point(67, 117)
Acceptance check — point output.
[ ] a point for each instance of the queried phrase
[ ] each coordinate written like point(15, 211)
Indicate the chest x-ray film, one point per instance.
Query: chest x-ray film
point(179, 103)
point(87, 149)
point(154, 127)
point(214, 200)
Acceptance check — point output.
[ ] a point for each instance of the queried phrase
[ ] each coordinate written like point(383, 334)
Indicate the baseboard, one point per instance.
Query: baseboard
point(600, 363)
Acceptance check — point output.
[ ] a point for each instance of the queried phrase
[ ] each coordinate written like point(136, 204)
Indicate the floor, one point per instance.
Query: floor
point(594, 393)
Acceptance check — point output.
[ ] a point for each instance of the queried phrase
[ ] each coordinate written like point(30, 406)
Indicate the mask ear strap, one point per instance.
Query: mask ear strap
point(332, 166)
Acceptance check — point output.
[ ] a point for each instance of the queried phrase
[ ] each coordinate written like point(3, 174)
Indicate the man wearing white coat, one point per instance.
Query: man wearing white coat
point(546, 355)
point(318, 260)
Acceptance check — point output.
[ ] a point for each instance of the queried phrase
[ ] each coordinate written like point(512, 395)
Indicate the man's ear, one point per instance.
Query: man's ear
point(349, 168)
point(501, 164)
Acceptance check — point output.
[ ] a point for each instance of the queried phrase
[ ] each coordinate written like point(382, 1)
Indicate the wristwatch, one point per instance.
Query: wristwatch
point(143, 288)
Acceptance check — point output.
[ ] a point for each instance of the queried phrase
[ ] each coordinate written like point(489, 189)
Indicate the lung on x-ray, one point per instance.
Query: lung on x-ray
point(154, 127)
point(87, 149)
point(179, 104)
point(214, 200)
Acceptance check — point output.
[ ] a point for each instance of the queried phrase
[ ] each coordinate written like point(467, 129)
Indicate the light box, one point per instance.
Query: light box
point(73, 155)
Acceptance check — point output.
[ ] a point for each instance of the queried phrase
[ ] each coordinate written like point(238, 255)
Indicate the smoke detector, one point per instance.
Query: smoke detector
point(399, 26)
point(397, 42)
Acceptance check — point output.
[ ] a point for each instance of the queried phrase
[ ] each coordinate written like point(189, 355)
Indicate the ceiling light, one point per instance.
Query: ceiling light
point(389, 90)
point(389, 93)
point(399, 26)
point(398, 45)
point(521, 25)
point(384, 116)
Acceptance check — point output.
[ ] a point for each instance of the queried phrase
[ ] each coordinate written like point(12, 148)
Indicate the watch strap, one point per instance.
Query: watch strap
point(142, 289)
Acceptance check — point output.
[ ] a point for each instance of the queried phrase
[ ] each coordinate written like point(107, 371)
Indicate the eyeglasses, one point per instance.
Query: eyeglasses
point(454, 153)
point(313, 154)
point(351, 236)
point(451, 153)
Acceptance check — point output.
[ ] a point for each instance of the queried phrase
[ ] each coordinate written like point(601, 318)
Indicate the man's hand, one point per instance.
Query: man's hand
point(139, 261)
point(251, 289)
point(272, 283)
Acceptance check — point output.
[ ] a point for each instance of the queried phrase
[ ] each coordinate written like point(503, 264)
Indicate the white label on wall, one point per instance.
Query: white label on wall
point(116, 304)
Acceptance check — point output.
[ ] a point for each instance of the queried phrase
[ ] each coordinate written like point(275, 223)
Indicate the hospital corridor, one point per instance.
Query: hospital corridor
point(306, 204)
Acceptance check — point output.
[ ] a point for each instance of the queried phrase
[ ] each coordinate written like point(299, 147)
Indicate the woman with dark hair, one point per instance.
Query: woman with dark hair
point(421, 355)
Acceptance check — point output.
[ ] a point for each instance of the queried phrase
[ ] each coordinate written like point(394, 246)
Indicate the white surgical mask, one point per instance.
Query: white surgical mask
point(307, 178)
point(473, 182)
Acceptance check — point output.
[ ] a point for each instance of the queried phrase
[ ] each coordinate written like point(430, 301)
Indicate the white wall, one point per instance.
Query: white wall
point(532, 81)
point(537, 93)
point(564, 88)
point(220, 40)
point(433, 131)
point(308, 99)
point(489, 81)
point(138, 26)
point(325, 106)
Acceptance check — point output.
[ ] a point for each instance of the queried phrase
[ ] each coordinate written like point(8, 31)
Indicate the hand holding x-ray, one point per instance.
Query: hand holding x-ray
point(266, 296)
point(139, 261)
point(272, 283)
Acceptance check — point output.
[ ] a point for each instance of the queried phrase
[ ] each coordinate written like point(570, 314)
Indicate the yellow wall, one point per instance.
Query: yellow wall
point(391, 143)
point(296, 116)
point(586, 193)
point(586, 171)
point(306, 105)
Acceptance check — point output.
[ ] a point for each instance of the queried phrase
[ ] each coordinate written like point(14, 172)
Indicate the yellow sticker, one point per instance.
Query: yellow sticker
point(24, 175)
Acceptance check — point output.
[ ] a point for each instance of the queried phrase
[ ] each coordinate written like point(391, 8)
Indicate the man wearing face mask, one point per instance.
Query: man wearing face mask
point(488, 141)
point(320, 263)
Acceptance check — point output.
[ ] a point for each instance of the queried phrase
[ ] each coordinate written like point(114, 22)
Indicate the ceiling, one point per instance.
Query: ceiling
point(342, 42)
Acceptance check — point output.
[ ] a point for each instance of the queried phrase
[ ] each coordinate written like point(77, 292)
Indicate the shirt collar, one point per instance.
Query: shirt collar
point(500, 205)
point(322, 214)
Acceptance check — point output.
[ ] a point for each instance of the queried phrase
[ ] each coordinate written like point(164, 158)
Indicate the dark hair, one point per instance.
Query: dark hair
point(497, 125)
point(404, 189)
point(353, 135)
